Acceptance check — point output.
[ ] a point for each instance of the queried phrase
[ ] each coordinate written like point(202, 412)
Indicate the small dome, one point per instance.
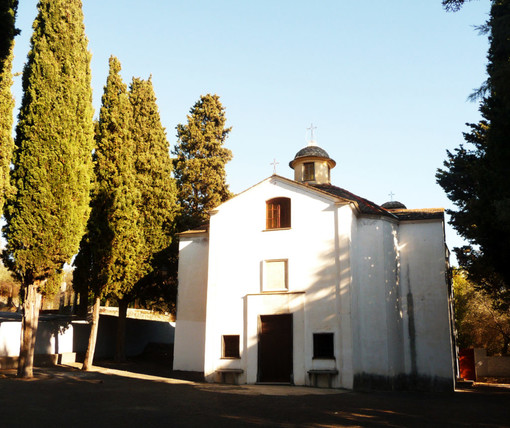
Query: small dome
point(394, 205)
point(312, 151)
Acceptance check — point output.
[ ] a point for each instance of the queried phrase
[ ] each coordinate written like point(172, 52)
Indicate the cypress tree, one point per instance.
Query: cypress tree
point(157, 203)
point(199, 167)
point(47, 213)
point(153, 170)
point(8, 30)
point(476, 176)
point(8, 10)
point(109, 252)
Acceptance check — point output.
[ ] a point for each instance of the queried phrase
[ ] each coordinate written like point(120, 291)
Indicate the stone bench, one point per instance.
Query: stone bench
point(314, 374)
point(223, 373)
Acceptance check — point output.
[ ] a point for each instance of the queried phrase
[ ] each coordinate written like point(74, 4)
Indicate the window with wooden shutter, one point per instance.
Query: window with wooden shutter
point(278, 213)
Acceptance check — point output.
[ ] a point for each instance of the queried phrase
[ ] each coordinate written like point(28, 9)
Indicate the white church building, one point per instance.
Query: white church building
point(302, 282)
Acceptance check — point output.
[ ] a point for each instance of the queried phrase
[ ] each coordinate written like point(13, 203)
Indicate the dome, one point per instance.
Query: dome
point(312, 151)
point(394, 205)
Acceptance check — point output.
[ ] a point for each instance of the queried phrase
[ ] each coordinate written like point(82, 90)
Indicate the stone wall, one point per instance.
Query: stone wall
point(491, 366)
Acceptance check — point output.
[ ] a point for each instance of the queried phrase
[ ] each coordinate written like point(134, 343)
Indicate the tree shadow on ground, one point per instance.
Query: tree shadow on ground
point(156, 360)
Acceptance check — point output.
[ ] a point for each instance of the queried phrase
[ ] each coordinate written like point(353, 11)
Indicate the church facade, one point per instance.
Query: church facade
point(302, 282)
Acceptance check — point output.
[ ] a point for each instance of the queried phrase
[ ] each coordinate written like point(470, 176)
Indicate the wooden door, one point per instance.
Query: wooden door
point(275, 348)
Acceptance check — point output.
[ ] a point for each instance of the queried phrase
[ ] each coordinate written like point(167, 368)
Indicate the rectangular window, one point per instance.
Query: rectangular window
point(323, 345)
point(275, 275)
point(278, 213)
point(230, 346)
point(308, 171)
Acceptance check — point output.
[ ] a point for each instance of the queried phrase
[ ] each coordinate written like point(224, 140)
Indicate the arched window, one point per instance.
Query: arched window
point(277, 213)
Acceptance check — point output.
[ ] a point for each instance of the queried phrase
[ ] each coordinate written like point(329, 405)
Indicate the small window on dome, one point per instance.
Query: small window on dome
point(308, 171)
point(278, 213)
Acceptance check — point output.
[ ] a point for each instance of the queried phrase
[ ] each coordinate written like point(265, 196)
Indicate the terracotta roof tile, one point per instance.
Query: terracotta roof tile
point(419, 214)
point(365, 206)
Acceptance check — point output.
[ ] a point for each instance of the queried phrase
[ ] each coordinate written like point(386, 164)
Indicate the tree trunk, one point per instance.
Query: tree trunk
point(29, 325)
point(81, 306)
point(91, 348)
point(120, 351)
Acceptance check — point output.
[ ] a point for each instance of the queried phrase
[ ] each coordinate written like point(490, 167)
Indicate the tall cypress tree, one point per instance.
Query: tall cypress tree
point(153, 171)
point(46, 215)
point(199, 167)
point(157, 203)
point(8, 10)
point(8, 30)
point(476, 176)
point(109, 252)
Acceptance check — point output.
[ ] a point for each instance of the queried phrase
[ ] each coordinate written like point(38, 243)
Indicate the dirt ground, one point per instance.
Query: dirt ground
point(149, 395)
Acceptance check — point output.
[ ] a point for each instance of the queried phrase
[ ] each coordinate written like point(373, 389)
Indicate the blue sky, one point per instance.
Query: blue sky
point(385, 81)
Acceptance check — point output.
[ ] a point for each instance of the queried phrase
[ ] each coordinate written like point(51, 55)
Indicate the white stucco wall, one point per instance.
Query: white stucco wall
point(189, 345)
point(425, 299)
point(10, 333)
point(378, 335)
point(52, 338)
point(378, 285)
point(239, 245)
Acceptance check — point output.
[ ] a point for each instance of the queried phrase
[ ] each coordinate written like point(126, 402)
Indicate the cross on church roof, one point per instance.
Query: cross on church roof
point(391, 194)
point(312, 140)
point(274, 163)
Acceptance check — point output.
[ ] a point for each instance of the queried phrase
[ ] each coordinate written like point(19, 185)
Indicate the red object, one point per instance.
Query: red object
point(467, 364)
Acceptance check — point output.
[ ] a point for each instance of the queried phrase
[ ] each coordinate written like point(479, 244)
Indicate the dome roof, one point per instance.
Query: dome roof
point(394, 205)
point(312, 151)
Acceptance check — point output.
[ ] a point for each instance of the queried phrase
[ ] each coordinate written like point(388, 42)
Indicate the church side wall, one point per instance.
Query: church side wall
point(346, 231)
point(191, 304)
point(378, 327)
point(428, 346)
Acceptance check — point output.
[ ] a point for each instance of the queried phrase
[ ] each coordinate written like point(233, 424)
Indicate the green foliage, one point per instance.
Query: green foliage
point(199, 167)
point(153, 169)
point(9, 289)
point(8, 10)
point(480, 324)
point(453, 5)
point(6, 140)
point(157, 189)
point(476, 175)
point(108, 258)
point(47, 213)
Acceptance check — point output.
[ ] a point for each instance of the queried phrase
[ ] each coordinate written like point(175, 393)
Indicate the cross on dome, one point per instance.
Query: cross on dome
point(311, 142)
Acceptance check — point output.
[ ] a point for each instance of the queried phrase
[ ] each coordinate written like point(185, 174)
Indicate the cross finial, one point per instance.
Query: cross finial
point(391, 194)
point(312, 140)
point(274, 163)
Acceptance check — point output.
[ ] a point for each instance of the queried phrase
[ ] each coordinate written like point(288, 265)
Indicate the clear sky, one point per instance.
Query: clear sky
point(385, 81)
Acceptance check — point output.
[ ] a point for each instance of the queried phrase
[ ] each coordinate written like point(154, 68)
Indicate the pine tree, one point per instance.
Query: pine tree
point(199, 167)
point(109, 252)
point(46, 215)
point(8, 30)
point(476, 176)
